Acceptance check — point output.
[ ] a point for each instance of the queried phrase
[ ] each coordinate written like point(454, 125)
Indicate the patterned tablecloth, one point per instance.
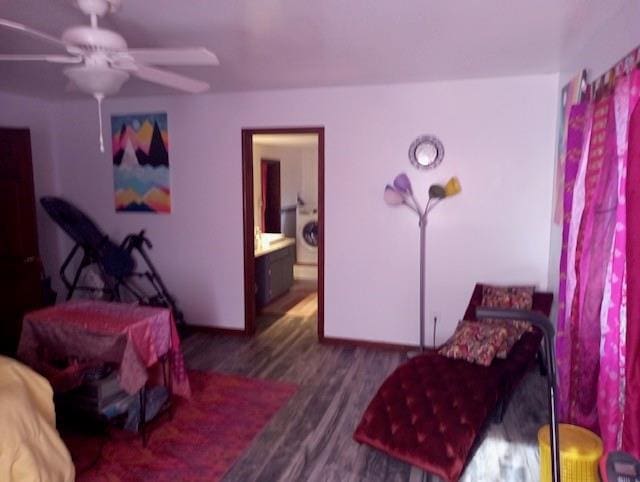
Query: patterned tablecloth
point(134, 337)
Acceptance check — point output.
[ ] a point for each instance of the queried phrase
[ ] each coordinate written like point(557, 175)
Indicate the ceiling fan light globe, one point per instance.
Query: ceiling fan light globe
point(97, 79)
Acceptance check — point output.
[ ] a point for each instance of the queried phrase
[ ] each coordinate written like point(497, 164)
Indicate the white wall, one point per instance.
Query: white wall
point(35, 114)
point(499, 139)
point(617, 37)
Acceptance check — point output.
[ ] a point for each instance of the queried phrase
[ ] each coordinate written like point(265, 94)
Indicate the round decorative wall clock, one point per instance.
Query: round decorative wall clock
point(426, 152)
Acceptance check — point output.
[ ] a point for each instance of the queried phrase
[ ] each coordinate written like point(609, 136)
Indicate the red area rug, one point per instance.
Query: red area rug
point(203, 440)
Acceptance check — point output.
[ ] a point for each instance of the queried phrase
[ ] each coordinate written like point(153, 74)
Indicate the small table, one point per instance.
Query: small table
point(131, 336)
point(580, 452)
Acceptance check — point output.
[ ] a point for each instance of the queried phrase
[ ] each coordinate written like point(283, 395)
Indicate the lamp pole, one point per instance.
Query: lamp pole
point(423, 230)
point(422, 226)
point(401, 194)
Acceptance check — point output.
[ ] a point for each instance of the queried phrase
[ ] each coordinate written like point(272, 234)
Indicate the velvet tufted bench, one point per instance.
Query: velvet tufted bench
point(432, 410)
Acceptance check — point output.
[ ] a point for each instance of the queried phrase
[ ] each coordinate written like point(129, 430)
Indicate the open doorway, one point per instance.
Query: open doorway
point(283, 201)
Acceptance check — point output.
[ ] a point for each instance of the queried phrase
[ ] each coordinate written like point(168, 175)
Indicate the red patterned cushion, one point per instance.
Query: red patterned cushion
point(514, 331)
point(475, 342)
point(514, 297)
point(509, 297)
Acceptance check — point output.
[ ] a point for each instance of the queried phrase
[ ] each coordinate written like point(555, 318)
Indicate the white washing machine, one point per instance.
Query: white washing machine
point(306, 235)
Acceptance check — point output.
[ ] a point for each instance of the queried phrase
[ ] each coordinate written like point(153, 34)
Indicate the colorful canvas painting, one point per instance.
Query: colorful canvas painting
point(141, 162)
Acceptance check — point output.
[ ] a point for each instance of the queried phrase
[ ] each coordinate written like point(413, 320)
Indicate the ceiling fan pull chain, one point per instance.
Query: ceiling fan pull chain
point(99, 98)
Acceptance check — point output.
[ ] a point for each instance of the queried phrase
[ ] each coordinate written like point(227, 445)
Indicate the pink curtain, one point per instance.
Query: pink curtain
point(585, 335)
point(578, 120)
point(631, 421)
point(613, 311)
point(598, 388)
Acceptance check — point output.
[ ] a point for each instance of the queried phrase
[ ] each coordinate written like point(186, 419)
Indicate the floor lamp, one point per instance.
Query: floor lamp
point(401, 194)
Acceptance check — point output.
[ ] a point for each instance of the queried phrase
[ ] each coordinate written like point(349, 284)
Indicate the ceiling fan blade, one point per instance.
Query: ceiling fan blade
point(170, 56)
point(55, 59)
point(10, 24)
point(166, 78)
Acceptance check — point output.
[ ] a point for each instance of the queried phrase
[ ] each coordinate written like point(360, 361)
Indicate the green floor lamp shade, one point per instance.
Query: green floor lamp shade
point(401, 193)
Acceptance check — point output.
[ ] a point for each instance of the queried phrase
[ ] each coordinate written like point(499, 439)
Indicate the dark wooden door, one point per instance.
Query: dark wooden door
point(20, 265)
point(271, 195)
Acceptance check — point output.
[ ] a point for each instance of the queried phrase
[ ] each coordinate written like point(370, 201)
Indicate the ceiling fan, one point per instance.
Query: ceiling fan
point(102, 62)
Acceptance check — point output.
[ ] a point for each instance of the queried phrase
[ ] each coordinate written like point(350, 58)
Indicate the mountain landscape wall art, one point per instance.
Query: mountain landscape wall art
point(140, 146)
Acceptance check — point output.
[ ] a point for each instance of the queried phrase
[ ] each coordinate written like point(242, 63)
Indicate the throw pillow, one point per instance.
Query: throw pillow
point(509, 297)
point(515, 330)
point(475, 342)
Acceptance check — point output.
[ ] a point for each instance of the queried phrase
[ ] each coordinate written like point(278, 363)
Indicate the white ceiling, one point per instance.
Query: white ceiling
point(274, 44)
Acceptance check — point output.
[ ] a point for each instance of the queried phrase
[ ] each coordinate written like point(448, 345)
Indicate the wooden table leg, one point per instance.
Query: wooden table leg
point(167, 378)
point(142, 421)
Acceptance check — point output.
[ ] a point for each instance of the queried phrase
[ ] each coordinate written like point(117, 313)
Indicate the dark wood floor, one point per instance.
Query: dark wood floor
point(311, 437)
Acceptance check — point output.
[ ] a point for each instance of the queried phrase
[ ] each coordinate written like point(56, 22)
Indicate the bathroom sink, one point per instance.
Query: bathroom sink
point(270, 239)
point(276, 242)
point(270, 242)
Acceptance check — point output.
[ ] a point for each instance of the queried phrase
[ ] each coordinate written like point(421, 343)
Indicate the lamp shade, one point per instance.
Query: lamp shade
point(452, 187)
point(436, 191)
point(402, 184)
point(392, 197)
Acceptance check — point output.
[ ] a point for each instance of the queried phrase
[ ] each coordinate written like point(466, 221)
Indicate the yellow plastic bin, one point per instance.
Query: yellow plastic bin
point(580, 451)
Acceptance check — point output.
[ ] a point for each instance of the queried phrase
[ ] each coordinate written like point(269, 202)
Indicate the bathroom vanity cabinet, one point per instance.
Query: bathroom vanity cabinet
point(274, 272)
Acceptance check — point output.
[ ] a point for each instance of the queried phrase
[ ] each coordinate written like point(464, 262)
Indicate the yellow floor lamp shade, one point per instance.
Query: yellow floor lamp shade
point(580, 451)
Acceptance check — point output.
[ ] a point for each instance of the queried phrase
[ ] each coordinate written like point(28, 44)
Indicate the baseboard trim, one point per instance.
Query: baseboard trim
point(374, 345)
point(217, 330)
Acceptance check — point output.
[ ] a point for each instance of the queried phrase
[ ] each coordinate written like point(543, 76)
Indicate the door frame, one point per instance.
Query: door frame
point(248, 221)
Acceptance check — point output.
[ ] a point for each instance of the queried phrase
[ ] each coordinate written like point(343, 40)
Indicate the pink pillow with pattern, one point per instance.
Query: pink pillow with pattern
point(475, 342)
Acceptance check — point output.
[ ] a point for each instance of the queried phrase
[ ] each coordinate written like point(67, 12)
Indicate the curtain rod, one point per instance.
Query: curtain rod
point(622, 66)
